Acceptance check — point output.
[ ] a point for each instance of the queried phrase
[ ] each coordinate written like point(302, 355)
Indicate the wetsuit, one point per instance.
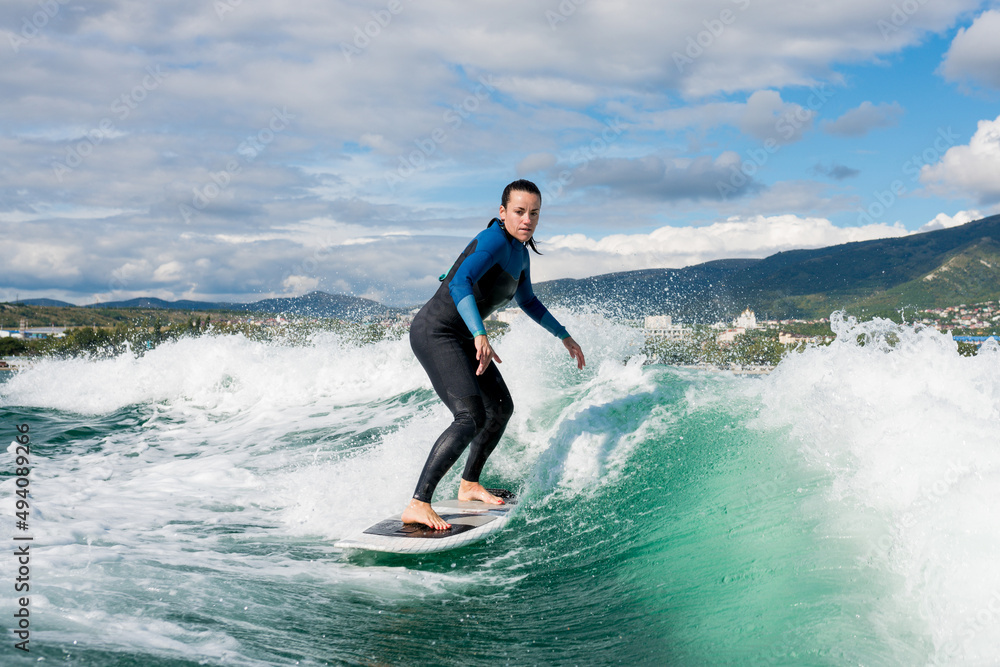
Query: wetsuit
point(492, 270)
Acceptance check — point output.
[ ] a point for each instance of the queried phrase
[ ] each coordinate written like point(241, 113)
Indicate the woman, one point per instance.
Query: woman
point(449, 340)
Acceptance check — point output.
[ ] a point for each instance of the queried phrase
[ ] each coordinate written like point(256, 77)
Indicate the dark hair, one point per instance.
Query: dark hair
point(522, 185)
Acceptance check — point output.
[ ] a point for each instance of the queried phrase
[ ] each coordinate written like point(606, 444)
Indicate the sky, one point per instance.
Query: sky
point(234, 150)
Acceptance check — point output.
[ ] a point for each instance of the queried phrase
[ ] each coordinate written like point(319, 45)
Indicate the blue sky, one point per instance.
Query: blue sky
point(237, 150)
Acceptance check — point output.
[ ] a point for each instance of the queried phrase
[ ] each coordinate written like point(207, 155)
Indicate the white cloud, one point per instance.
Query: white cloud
point(944, 221)
point(864, 118)
point(971, 170)
point(579, 256)
point(766, 116)
point(466, 89)
point(541, 89)
point(168, 272)
point(38, 261)
point(298, 285)
point(974, 55)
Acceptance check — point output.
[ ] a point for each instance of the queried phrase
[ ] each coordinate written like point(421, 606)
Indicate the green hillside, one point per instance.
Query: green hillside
point(76, 316)
point(970, 274)
point(932, 269)
point(882, 273)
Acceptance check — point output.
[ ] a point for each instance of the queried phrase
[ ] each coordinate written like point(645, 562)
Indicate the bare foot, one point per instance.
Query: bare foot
point(476, 491)
point(420, 512)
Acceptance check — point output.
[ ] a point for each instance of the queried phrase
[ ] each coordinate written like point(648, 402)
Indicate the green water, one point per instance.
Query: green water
point(666, 517)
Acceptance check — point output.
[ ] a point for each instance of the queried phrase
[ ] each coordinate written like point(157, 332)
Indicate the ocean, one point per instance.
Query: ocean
point(184, 504)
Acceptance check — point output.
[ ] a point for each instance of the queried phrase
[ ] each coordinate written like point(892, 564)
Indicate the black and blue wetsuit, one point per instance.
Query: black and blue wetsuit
point(491, 271)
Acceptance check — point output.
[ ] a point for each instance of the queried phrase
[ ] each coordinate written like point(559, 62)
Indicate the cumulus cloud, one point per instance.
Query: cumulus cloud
point(945, 221)
point(579, 256)
point(975, 52)
point(767, 117)
point(863, 119)
point(51, 256)
point(971, 170)
point(191, 148)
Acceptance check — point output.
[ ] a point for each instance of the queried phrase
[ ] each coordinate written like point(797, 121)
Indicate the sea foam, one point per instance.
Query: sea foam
point(906, 428)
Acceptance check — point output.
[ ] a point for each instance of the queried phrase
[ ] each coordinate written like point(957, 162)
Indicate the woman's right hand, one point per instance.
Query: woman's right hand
point(485, 354)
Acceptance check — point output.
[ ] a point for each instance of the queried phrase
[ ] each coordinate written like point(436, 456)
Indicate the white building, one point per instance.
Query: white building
point(729, 335)
point(746, 320)
point(662, 325)
point(507, 315)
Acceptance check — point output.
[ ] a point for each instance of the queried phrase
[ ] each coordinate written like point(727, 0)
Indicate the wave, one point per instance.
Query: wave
point(836, 510)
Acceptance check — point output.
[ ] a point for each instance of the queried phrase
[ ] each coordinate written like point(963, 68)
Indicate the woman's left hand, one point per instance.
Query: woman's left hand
point(485, 354)
point(575, 351)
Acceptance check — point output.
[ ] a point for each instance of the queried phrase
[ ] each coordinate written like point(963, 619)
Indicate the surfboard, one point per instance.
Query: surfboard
point(471, 521)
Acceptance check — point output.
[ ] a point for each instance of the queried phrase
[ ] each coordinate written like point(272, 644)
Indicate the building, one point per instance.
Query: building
point(508, 315)
point(794, 338)
point(746, 320)
point(663, 326)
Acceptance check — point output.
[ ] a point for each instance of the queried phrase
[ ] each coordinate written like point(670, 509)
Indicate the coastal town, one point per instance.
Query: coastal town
point(743, 343)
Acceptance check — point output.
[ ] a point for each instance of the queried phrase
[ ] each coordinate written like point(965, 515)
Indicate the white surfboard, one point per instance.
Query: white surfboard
point(470, 521)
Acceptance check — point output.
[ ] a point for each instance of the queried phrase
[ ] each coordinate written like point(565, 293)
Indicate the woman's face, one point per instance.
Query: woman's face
point(520, 215)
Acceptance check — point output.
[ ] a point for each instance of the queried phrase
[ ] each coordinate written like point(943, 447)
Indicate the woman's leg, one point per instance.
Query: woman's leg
point(450, 363)
point(499, 407)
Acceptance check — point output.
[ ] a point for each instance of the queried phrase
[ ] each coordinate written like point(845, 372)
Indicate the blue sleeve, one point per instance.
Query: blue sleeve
point(535, 309)
point(471, 270)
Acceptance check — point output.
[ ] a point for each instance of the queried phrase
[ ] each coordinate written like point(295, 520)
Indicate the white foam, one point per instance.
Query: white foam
point(907, 430)
point(220, 375)
point(209, 458)
point(335, 497)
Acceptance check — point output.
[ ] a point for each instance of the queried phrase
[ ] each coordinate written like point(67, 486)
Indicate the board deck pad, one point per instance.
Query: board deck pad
point(470, 521)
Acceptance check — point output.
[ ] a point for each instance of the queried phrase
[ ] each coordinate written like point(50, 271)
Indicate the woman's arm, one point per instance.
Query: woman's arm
point(537, 311)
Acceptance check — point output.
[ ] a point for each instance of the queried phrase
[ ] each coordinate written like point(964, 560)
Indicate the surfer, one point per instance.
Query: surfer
point(449, 340)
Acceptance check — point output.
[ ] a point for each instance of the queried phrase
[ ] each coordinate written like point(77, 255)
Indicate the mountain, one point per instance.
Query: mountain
point(150, 302)
point(314, 304)
point(970, 274)
point(321, 304)
point(856, 272)
point(932, 269)
point(47, 303)
point(695, 293)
